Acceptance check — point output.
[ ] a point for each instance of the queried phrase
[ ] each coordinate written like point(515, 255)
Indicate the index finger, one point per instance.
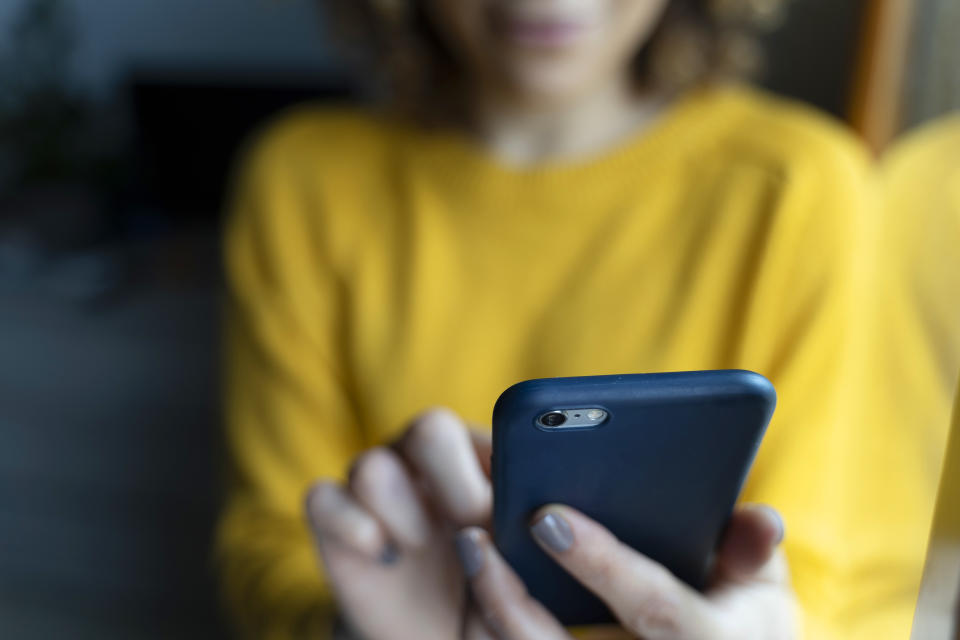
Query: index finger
point(647, 599)
point(441, 451)
point(499, 596)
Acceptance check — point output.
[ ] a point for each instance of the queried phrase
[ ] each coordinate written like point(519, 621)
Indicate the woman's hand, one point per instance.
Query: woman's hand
point(386, 536)
point(750, 597)
point(385, 540)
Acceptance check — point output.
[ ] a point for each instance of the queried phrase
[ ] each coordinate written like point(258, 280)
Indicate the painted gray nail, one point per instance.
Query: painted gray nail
point(390, 554)
point(781, 525)
point(493, 624)
point(470, 552)
point(553, 532)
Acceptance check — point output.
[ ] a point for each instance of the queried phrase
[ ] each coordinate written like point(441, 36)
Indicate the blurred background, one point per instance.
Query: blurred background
point(119, 120)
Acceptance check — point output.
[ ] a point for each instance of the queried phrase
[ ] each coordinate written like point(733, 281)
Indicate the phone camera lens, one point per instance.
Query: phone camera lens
point(553, 419)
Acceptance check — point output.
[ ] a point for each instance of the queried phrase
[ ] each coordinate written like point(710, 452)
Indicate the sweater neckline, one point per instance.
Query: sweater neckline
point(680, 123)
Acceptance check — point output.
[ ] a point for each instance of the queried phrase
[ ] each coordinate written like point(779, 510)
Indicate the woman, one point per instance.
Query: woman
point(561, 188)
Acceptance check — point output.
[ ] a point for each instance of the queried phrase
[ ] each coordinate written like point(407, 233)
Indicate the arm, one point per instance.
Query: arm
point(289, 418)
point(842, 461)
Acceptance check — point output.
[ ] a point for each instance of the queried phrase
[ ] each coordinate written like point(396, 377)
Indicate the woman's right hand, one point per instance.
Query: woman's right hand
point(385, 536)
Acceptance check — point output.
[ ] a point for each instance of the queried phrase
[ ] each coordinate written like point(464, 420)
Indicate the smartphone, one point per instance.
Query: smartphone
point(659, 459)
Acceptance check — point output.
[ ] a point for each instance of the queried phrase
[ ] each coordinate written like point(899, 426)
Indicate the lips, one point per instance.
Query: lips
point(545, 32)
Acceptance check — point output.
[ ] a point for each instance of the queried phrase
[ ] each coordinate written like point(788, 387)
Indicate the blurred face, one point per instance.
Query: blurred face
point(546, 51)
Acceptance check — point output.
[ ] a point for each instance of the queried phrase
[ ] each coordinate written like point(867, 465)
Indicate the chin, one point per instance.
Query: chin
point(548, 83)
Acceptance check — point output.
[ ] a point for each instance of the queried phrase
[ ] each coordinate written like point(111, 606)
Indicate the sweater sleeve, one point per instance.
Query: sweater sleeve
point(841, 461)
point(288, 415)
point(916, 351)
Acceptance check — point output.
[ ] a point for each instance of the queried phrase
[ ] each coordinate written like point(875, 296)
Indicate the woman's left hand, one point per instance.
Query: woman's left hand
point(750, 596)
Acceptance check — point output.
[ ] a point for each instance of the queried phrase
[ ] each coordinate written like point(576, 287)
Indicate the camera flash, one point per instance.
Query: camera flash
point(596, 414)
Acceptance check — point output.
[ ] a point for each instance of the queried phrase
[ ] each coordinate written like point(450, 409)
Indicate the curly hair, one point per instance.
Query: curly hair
point(409, 64)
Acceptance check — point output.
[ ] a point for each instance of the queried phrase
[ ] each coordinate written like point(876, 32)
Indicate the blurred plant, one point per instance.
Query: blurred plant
point(41, 119)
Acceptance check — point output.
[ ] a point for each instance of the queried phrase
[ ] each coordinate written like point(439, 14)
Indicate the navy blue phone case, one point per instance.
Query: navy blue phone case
point(663, 472)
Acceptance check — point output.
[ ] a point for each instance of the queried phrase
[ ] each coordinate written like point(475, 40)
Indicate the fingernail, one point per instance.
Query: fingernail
point(470, 552)
point(493, 624)
point(553, 532)
point(308, 499)
point(390, 554)
point(780, 525)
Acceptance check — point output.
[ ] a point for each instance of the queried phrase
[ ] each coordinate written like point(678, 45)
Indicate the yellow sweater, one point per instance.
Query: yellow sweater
point(921, 239)
point(376, 270)
point(920, 304)
point(938, 609)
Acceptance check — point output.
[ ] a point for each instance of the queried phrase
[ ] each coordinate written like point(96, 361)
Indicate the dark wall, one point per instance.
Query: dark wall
point(812, 57)
point(108, 446)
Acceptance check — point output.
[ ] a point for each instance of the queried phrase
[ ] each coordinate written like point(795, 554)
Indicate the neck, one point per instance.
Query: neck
point(524, 134)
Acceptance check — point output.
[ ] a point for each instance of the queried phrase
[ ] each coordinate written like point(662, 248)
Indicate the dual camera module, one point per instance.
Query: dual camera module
point(572, 418)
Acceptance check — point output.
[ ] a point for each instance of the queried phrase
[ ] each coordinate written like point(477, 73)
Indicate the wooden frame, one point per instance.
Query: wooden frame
point(876, 98)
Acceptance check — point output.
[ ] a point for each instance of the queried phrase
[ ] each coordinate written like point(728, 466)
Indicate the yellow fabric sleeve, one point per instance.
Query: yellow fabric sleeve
point(288, 416)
